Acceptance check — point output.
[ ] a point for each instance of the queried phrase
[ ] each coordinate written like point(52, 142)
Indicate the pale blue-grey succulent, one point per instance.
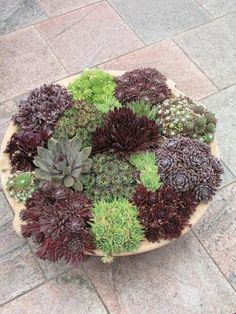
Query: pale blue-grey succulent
point(63, 162)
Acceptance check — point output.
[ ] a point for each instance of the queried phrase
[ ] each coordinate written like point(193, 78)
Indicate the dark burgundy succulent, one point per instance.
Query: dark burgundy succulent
point(164, 213)
point(142, 85)
point(123, 133)
point(195, 169)
point(57, 218)
point(43, 107)
point(22, 149)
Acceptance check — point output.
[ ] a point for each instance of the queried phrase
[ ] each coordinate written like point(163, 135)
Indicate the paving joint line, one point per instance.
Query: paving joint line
point(36, 259)
point(220, 90)
point(204, 9)
point(212, 259)
point(35, 287)
point(96, 290)
point(52, 51)
point(130, 27)
point(197, 66)
point(48, 18)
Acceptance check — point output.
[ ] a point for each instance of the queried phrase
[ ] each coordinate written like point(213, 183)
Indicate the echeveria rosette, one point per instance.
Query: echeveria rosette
point(115, 227)
point(57, 219)
point(110, 178)
point(188, 165)
point(183, 116)
point(42, 108)
point(145, 84)
point(124, 133)
point(95, 87)
point(164, 213)
point(22, 148)
point(63, 162)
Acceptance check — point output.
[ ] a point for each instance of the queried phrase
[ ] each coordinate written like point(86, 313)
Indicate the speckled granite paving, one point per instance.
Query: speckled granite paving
point(193, 42)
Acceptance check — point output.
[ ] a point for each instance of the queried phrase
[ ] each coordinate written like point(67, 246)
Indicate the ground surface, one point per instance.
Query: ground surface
point(194, 44)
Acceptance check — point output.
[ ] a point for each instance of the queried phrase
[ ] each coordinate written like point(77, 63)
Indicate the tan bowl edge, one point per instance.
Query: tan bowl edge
point(145, 245)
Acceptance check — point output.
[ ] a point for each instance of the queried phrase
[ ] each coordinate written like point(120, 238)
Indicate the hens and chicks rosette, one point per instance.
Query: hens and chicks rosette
point(109, 162)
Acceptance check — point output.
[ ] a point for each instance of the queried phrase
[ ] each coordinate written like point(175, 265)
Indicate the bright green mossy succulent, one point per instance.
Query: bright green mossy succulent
point(95, 87)
point(142, 108)
point(146, 164)
point(186, 117)
point(109, 178)
point(21, 185)
point(115, 227)
point(63, 162)
point(82, 119)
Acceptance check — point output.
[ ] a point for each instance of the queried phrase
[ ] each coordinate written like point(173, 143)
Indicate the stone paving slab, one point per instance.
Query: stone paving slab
point(57, 7)
point(69, 293)
point(154, 20)
point(218, 7)
point(224, 106)
point(212, 47)
point(178, 278)
point(19, 273)
point(168, 58)
point(216, 231)
point(228, 177)
point(26, 63)
point(104, 36)
point(16, 14)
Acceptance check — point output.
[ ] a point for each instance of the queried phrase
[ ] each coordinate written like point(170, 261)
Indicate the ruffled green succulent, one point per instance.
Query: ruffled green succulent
point(82, 119)
point(95, 87)
point(63, 162)
point(109, 178)
point(146, 164)
point(115, 227)
point(142, 108)
point(186, 117)
point(21, 185)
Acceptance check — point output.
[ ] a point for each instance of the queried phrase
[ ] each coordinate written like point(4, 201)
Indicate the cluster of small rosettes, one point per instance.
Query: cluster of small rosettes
point(116, 227)
point(164, 213)
point(187, 118)
point(146, 84)
point(82, 119)
point(187, 165)
point(21, 185)
point(110, 178)
point(57, 218)
point(43, 107)
point(22, 148)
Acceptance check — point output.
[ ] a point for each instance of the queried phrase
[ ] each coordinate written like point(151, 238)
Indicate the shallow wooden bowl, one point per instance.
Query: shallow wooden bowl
point(145, 245)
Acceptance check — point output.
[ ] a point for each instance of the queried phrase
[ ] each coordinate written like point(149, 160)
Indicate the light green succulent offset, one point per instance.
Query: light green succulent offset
point(21, 185)
point(63, 162)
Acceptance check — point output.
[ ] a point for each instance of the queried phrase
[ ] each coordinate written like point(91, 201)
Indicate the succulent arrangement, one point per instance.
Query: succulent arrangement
point(109, 164)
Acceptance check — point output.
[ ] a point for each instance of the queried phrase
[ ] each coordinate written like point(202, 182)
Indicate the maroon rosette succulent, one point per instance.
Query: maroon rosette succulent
point(57, 218)
point(22, 149)
point(146, 84)
point(43, 107)
point(195, 169)
point(123, 133)
point(164, 213)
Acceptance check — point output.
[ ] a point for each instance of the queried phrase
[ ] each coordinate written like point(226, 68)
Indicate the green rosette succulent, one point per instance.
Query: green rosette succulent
point(95, 87)
point(183, 116)
point(142, 108)
point(109, 178)
point(115, 227)
point(63, 162)
point(146, 164)
point(82, 119)
point(21, 185)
